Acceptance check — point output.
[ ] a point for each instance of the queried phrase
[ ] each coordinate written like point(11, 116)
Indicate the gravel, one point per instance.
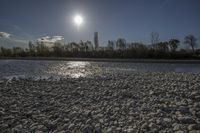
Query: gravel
point(115, 102)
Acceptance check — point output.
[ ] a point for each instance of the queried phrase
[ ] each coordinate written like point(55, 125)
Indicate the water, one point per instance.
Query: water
point(75, 69)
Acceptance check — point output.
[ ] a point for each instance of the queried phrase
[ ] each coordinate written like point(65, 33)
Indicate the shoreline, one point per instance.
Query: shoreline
point(173, 61)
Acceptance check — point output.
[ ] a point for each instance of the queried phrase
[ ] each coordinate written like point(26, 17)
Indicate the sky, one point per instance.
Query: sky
point(133, 20)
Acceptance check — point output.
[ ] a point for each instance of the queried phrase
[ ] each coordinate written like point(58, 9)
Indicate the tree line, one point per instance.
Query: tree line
point(115, 49)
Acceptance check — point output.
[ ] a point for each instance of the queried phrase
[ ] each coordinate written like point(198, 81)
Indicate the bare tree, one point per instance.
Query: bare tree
point(89, 46)
point(163, 46)
point(110, 45)
point(173, 44)
point(18, 51)
point(32, 48)
point(58, 49)
point(154, 38)
point(191, 41)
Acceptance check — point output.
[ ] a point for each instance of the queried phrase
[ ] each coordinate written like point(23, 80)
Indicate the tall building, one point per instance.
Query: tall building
point(96, 40)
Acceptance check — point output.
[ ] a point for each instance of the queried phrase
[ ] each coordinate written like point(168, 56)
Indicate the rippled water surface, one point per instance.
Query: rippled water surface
point(75, 69)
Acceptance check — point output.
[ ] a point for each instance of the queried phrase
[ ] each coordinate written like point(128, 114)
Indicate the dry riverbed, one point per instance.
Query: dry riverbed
point(119, 102)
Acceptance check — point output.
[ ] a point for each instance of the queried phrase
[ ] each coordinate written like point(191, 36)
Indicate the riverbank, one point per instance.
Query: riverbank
point(105, 60)
point(116, 102)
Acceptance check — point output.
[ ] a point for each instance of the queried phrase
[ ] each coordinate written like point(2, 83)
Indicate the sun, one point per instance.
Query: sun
point(78, 20)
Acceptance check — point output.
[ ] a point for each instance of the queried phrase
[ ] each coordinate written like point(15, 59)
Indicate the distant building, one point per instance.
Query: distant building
point(96, 40)
point(102, 48)
point(82, 46)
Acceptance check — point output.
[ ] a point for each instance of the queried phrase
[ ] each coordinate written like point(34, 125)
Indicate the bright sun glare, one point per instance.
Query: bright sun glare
point(78, 20)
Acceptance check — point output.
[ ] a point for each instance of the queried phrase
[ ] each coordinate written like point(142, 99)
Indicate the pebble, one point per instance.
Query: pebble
point(71, 126)
point(194, 131)
point(168, 120)
point(186, 120)
point(130, 130)
point(183, 109)
point(177, 127)
point(119, 102)
point(88, 129)
point(144, 126)
point(109, 130)
point(180, 131)
point(194, 127)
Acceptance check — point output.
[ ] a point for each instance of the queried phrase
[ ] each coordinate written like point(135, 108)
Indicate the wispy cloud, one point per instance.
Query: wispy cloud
point(9, 40)
point(15, 30)
point(4, 35)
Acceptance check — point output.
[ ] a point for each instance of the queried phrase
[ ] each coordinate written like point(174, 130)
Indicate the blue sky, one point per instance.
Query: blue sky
point(133, 20)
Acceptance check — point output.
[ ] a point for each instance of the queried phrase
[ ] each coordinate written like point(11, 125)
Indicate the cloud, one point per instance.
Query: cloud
point(57, 38)
point(4, 35)
point(9, 42)
point(50, 40)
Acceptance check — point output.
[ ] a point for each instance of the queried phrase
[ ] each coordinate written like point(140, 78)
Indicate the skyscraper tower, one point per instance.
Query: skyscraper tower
point(96, 40)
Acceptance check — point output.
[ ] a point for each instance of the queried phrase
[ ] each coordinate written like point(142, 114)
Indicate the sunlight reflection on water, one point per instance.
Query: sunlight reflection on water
point(31, 69)
point(71, 69)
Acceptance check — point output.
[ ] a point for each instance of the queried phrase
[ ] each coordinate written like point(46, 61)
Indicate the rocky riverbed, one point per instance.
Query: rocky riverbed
point(114, 102)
